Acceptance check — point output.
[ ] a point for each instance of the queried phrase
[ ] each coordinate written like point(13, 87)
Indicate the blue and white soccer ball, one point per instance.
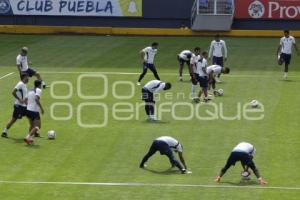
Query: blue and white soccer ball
point(51, 135)
point(254, 103)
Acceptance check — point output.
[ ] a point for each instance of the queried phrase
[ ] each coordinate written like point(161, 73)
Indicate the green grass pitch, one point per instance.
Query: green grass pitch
point(112, 154)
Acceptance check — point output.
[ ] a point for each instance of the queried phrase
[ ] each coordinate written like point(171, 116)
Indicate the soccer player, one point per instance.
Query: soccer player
point(243, 152)
point(193, 71)
point(23, 67)
point(213, 71)
point(19, 93)
point(218, 51)
point(165, 145)
point(34, 107)
point(147, 95)
point(202, 76)
point(184, 57)
point(284, 51)
point(148, 55)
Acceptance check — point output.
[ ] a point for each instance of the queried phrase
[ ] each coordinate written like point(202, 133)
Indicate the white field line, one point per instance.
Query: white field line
point(166, 74)
point(150, 185)
point(11, 73)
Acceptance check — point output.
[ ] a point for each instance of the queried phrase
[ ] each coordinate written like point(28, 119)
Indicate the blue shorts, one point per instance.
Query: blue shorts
point(181, 61)
point(285, 58)
point(203, 81)
point(218, 61)
point(19, 111)
point(31, 72)
point(33, 115)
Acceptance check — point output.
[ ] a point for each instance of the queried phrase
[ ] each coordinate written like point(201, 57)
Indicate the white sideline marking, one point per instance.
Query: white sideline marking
point(11, 73)
point(150, 185)
point(166, 74)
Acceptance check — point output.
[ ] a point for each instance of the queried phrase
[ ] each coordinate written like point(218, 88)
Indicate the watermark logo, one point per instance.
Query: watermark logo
point(4, 6)
point(256, 9)
point(122, 101)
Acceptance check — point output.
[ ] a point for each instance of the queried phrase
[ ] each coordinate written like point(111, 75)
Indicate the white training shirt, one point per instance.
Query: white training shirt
point(216, 49)
point(201, 67)
point(149, 54)
point(245, 148)
point(21, 93)
point(215, 69)
point(287, 44)
point(32, 96)
point(172, 142)
point(193, 62)
point(184, 55)
point(22, 61)
point(155, 86)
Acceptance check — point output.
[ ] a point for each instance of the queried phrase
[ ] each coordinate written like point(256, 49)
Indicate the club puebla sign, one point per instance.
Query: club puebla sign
point(266, 9)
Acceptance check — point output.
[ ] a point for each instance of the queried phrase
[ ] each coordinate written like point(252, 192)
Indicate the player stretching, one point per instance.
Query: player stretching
point(147, 95)
point(284, 51)
point(193, 71)
point(243, 152)
point(148, 55)
point(202, 76)
point(218, 50)
point(184, 57)
point(34, 107)
point(213, 71)
point(19, 93)
point(164, 145)
point(23, 67)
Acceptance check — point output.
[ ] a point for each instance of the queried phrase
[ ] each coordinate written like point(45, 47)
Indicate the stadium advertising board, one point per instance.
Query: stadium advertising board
point(72, 7)
point(266, 9)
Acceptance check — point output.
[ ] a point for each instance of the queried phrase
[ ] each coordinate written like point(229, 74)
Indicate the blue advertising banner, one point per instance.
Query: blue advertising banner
point(72, 7)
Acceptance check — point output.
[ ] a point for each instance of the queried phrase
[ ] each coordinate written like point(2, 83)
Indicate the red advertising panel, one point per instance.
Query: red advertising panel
point(267, 9)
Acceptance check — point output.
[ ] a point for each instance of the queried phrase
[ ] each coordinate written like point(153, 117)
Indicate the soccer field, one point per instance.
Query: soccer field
point(87, 162)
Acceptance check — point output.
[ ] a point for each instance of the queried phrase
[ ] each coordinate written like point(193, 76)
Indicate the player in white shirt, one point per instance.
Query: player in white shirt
point(185, 57)
point(151, 87)
point(166, 145)
point(34, 107)
point(218, 52)
point(193, 72)
point(19, 93)
point(243, 152)
point(23, 66)
point(213, 71)
point(284, 51)
point(148, 55)
point(202, 76)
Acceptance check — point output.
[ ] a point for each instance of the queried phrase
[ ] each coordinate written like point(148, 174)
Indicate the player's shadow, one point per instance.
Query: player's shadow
point(169, 171)
point(156, 122)
point(241, 183)
point(21, 140)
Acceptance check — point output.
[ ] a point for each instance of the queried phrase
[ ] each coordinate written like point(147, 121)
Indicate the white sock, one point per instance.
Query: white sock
point(5, 130)
point(193, 91)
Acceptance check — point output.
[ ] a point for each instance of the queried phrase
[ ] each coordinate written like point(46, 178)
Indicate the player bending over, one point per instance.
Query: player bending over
point(243, 152)
point(147, 95)
point(19, 93)
point(213, 71)
point(184, 57)
point(202, 76)
point(165, 145)
point(23, 67)
point(284, 51)
point(34, 107)
point(148, 55)
point(193, 71)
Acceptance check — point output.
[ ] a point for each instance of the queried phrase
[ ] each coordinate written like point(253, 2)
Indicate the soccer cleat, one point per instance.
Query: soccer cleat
point(138, 83)
point(28, 142)
point(218, 179)
point(4, 135)
point(180, 78)
point(142, 166)
point(262, 181)
point(285, 76)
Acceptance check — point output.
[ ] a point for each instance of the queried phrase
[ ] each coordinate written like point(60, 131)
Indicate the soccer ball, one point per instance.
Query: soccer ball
point(254, 103)
point(246, 175)
point(219, 92)
point(51, 135)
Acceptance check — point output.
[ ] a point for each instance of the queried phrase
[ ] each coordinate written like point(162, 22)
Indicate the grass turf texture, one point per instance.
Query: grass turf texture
point(112, 153)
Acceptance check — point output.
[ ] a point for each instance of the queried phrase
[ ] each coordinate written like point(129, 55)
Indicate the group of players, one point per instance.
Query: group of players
point(206, 76)
point(27, 102)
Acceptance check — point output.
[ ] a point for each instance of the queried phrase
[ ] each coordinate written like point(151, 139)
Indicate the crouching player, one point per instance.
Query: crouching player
point(164, 145)
point(184, 57)
point(34, 107)
point(243, 152)
point(147, 96)
point(213, 71)
point(19, 93)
